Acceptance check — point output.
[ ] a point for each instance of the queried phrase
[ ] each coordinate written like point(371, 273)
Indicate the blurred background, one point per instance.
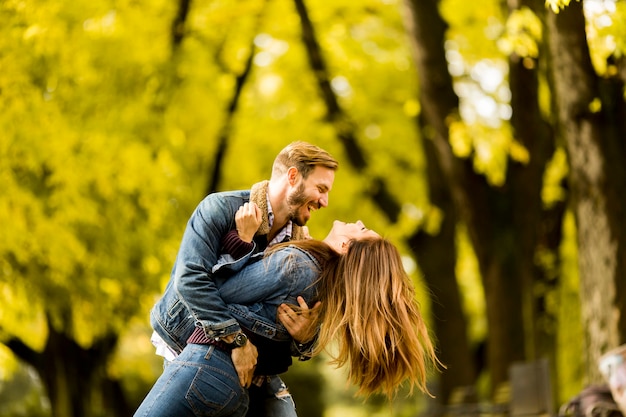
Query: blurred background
point(484, 138)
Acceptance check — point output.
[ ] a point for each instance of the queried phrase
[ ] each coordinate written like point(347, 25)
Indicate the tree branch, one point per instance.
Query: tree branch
point(178, 25)
point(231, 109)
point(378, 187)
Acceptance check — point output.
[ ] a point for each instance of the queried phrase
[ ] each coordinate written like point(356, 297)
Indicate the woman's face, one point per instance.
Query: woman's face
point(349, 231)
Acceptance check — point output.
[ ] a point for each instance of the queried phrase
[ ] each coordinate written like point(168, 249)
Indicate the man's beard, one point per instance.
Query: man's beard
point(295, 201)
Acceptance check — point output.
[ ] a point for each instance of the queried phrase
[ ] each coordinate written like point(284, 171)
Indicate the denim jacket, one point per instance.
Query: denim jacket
point(254, 292)
point(191, 295)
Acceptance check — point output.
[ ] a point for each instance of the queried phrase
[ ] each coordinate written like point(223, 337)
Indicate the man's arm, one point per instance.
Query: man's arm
point(197, 255)
point(244, 360)
point(237, 243)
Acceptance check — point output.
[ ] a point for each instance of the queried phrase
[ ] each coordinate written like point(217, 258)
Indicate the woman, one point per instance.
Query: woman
point(368, 308)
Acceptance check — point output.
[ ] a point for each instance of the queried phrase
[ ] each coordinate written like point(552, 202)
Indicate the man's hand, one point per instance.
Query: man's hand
point(244, 359)
point(302, 326)
point(248, 219)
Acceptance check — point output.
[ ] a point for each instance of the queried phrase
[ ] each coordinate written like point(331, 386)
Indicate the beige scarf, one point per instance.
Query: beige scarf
point(258, 195)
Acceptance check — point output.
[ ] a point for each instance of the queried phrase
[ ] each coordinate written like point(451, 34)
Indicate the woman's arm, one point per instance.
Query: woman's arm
point(278, 278)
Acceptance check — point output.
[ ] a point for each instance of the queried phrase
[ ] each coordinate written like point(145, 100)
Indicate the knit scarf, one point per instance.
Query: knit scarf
point(258, 195)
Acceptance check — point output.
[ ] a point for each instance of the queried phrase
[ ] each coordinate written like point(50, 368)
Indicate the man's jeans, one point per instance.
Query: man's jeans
point(200, 382)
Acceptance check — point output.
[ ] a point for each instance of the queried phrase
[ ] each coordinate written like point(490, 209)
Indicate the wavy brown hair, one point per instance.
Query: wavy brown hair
point(369, 309)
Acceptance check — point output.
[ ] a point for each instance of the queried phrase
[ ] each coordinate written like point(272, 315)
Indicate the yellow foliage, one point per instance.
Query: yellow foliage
point(596, 105)
point(8, 364)
point(22, 314)
point(473, 30)
point(557, 5)
point(460, 139)
point(556, 171)
point(518, 152)
point(606, 34)
point(489, 148)
point(86, 187)
point(470, 287)
point(523, 32)
point(412, 107)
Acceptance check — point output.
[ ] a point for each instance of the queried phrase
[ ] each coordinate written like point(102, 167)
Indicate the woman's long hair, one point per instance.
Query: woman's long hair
point(369, 309)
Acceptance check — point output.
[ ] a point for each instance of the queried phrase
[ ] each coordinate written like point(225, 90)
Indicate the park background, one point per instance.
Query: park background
point(486, 138)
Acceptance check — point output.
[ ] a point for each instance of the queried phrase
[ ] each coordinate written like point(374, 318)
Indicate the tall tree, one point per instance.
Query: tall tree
point(501, 219)
point(434, 251)
point(534, 130)
point(592, 123)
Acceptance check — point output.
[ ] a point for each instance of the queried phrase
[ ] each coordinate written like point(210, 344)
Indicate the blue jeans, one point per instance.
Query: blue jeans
point(272, 399)
point(201, 382)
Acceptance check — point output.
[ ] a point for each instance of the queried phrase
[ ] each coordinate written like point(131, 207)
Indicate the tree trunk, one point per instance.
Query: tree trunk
point(592, 122)
point(436, 255)
point(502, 222)
point(225, 131)
point(537, 135)
point(343, 124)
point(75, 378)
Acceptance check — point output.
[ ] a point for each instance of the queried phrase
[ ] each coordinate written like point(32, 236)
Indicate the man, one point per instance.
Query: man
point(302, 177)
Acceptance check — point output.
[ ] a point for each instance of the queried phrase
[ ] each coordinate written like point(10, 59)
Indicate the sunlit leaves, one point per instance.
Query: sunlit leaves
point(557, 5)
point(85, 193)
point(606, 29)
point(522, 35)
point(553, 190)
point(22, 314)
point(474, 30)
point(490, 149)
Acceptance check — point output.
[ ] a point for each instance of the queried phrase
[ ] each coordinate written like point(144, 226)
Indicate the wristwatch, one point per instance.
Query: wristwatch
point(240, 340)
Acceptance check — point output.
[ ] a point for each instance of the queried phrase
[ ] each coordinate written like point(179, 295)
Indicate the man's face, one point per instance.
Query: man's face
point(310, 194)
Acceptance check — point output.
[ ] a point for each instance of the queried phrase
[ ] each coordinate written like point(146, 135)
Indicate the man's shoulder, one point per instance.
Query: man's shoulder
point(236, 195)
point(230, 194)
point(225, 202)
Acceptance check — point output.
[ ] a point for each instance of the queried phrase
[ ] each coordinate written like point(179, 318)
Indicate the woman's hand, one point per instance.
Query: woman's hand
point(302, 325)
point(248, 218)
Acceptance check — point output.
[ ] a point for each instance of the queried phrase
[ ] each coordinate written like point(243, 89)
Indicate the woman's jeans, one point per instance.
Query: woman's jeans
point(202, 382)
point(271, 399)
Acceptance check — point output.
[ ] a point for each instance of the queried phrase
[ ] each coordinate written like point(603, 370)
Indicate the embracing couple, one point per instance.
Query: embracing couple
point(237, 306)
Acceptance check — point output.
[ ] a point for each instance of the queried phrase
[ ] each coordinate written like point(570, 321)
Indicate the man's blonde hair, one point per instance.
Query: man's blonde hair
point(305, 157)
